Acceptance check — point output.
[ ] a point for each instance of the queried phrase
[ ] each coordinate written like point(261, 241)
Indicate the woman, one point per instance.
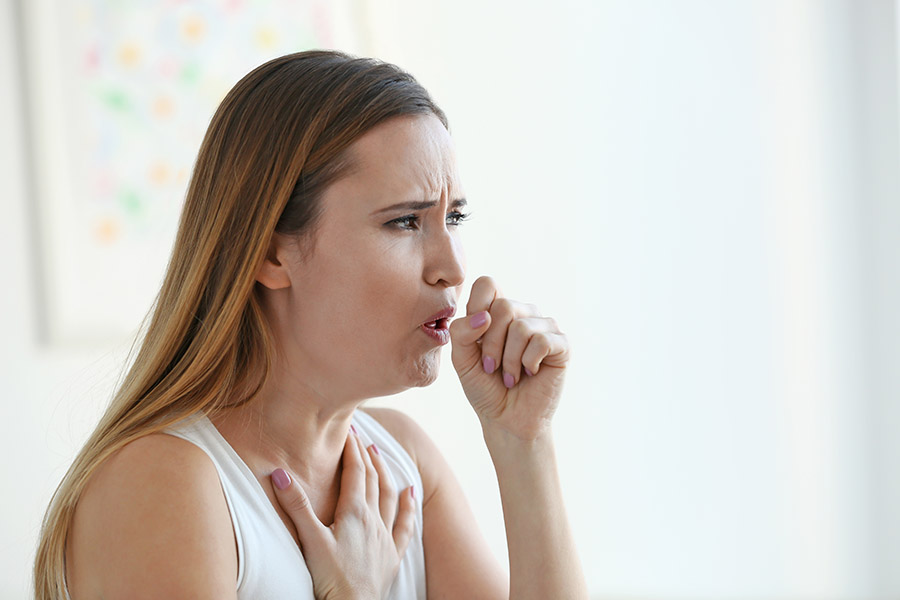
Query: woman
point(317, 264)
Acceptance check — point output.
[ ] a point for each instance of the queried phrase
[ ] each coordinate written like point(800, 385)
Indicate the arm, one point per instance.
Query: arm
point(153, 523)
point(543, 560)
point(511, 363)
point(458, 562)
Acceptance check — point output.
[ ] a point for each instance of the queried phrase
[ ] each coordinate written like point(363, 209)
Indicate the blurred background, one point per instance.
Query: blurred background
point(705, 194)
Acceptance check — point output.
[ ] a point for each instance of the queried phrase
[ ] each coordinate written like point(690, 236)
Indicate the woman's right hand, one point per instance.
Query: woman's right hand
point(359, 555)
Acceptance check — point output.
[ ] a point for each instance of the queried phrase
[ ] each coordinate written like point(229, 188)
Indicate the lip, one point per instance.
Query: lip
point(440, 332)
point(446, 313)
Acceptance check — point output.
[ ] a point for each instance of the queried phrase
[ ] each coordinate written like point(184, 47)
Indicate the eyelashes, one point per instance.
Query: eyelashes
point(456, 217)
point(411, 222)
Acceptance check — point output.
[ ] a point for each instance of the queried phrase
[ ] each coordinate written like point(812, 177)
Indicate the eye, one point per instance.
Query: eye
point(409, 222)
point(455, 217)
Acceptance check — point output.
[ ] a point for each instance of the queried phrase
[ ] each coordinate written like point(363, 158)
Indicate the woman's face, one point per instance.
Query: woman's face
point(358, 319)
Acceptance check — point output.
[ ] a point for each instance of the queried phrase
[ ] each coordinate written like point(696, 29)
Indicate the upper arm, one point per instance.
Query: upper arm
point(153, 523)
point(458, 562)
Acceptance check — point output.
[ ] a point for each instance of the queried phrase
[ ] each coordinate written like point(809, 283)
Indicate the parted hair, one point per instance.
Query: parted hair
point(276, 141)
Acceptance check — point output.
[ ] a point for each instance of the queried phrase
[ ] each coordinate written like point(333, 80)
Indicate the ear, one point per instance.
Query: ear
point(273, 273)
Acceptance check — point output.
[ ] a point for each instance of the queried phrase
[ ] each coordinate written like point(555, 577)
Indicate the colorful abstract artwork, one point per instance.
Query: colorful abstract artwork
point(121, 93)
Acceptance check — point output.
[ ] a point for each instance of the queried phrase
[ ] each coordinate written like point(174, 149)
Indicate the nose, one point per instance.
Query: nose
point(445, 262)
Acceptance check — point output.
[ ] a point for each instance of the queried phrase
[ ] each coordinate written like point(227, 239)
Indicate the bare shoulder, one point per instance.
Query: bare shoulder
point(436, 473)
point(457, 559)
point(153, 523)
point(432, 466)
point(403, 428)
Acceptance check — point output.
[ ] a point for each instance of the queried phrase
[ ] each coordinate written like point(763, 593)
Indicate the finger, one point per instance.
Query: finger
point(519, 336)
point(484, 291)
point(493, 343)
point(405, 523)
point(466, 331)
point(296, 504)
point(465, 353)
point(545, 348)
point(353, 476)
point(371, 475)
point(387, 494)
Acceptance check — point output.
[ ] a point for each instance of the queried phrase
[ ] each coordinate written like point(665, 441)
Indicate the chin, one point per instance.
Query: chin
point(425, 370)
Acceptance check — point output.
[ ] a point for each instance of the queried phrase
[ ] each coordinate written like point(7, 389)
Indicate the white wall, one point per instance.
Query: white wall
point(706, 196)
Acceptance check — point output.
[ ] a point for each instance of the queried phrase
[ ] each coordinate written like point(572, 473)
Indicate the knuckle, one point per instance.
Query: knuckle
point(358, 469)
point(387, 492)
point(520, 327)
point(386, 485)
point(485, 281)
point(357, 507)
point(502, 307)
point(297, 504)
point(543, 341)
point(388, 495)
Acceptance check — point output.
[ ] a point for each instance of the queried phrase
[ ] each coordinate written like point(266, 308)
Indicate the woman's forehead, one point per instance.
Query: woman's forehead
point(416, 150)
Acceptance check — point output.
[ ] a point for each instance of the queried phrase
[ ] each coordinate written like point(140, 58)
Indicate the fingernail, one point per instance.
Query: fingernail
point(353, 429)
point(478, 319)
point(489, 364)
point(529, 373)
point(412, 492)
point(374, 449)
point(281, 479)
point(508, 380)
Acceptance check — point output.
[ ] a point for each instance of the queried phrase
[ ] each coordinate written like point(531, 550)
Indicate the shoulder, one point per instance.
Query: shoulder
point(402, 427)
point(428, 458)
point(458, 562)
point(153, 517)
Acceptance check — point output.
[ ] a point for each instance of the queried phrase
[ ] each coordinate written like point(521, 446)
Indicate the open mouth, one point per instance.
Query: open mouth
point(438, 324)
point(438, 327)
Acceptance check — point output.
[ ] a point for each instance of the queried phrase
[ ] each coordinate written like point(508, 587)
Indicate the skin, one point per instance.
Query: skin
point(347, 320)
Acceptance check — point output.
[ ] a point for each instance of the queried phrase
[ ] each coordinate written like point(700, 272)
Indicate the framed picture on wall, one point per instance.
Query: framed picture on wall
point(119, 95)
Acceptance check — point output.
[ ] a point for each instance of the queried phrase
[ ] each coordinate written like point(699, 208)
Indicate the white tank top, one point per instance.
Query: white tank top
point(270, 564)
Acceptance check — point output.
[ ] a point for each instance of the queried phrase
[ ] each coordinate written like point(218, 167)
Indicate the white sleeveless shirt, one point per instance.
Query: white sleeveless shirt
point(270, 564)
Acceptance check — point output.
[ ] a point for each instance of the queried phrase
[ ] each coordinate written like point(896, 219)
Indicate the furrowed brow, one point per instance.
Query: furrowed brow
point(419, 205)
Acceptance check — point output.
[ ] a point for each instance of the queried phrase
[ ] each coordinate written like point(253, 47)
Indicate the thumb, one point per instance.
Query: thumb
point(464, 335)
point(296, 504)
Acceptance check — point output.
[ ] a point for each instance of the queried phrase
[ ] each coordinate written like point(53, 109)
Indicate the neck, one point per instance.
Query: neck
point(288, 425)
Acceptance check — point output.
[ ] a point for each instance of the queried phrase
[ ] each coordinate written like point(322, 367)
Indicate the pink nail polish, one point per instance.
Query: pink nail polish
point(412, 492)
point(478, 319)
point(374, 449)
point(281, 479)
point(489, 364)
point(529, 373)
point(353, 429)
point(508, 380)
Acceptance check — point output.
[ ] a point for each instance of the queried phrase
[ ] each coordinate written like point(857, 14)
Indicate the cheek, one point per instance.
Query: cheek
point(366, 316)
point(380, 298)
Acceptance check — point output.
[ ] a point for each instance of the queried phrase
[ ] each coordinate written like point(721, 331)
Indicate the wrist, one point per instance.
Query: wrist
point(502, 442)
point(348, 591)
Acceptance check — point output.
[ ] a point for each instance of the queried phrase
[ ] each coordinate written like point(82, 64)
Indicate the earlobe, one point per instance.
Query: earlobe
point(272, 273)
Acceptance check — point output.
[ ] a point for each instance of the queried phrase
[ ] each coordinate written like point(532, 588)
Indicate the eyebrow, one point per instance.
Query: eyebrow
point(419, 205)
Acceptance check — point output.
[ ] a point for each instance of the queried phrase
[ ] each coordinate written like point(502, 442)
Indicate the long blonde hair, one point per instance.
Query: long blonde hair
point(276, 141)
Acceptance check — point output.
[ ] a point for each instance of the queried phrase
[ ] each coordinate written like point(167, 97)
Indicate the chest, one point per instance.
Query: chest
point(323, 501)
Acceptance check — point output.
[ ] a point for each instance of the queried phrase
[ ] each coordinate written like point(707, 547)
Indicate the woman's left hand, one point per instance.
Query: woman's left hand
point(511, 361)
